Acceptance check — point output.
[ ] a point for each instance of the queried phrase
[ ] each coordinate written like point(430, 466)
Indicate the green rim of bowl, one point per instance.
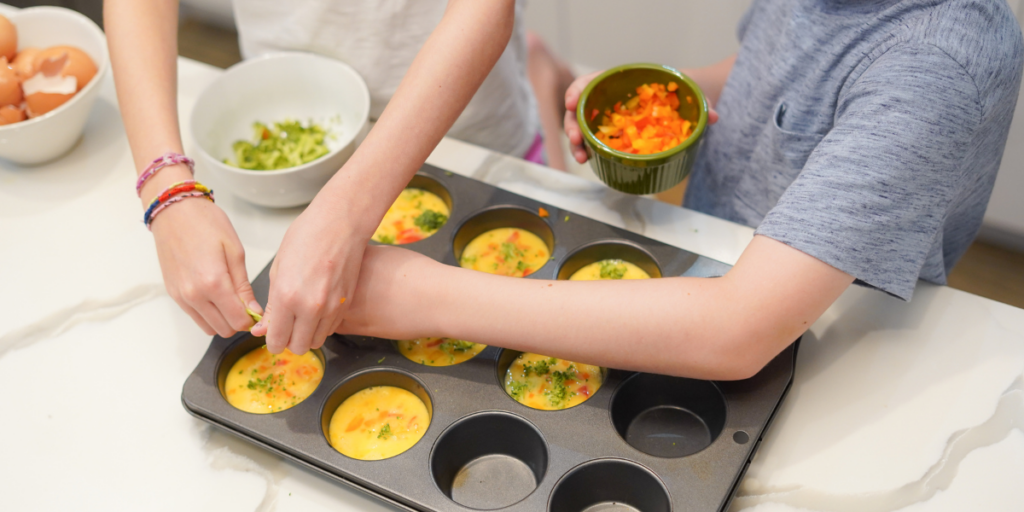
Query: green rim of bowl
point(608, 152)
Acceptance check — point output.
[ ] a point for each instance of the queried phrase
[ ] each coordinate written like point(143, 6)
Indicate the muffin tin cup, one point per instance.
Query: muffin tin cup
point(508, 356)
point(477, 430)
point(489, 460)
point(608, 485)
point(367, 379)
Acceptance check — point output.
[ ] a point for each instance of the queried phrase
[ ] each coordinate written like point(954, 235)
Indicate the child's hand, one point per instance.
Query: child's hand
point(203, 265)
point(572, 128)
point(392, 297)
point(311, 280)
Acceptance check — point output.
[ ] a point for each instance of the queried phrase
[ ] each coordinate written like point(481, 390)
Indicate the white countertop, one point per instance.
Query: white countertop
point(896, 406)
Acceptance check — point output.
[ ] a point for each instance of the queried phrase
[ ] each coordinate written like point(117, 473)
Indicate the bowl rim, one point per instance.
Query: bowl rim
point(589, 137)
point(278, 55)
point(101, 70)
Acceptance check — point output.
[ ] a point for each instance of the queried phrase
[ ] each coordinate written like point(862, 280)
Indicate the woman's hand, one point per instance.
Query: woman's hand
point(203, 265)
point(572, 98)
point(312, 280)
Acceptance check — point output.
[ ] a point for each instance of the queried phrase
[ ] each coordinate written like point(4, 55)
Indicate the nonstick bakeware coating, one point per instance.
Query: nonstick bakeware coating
point(641, 442)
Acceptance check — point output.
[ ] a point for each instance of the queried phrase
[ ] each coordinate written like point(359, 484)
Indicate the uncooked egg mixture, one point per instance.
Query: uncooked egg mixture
point(549, 383)
point(378, 423)
point(261, 382)
point(415, 215)
point(609, 269)
point(506, 252)
point(439, 351)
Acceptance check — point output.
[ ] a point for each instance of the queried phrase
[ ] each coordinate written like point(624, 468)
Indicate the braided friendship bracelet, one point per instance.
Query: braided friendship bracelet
point(165, 160)
point(184, 190)
point(175, 199)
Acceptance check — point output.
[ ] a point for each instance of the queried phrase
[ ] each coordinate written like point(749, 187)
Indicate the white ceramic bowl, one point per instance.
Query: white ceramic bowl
point(271, 88)
point(52, 134)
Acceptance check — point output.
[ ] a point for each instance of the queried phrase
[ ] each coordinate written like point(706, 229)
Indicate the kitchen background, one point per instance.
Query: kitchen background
point(596, 34)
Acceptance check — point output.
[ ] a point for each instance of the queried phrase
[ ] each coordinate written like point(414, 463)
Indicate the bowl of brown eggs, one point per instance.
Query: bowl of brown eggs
point(52, 61)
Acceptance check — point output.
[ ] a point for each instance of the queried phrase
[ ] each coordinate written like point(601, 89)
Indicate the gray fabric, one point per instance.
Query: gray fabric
point(865, 133)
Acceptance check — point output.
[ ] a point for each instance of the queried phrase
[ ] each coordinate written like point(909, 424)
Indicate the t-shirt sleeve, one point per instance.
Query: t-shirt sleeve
point(873, 195)
point(741, 27)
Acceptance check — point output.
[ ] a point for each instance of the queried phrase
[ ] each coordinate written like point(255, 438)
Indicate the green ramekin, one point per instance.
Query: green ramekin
point(640, 174)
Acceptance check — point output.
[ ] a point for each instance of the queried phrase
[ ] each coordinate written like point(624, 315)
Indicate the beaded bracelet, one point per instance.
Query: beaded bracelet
point(167, 159)
point(184, 190)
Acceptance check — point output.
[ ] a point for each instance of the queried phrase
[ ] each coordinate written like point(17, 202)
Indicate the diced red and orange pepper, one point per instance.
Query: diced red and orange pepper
point(647, 123)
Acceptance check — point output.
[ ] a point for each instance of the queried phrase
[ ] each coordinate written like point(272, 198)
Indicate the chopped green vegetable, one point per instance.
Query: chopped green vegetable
point(386, 239)
point(612, 269)
point(540, 367)
point(286, 144)
point(516, 389)
point(560, 392)
point(256, 317)
point(430, 220)
point(510, 252)
point(266, 384)
point(385, 431)
point(450, 345)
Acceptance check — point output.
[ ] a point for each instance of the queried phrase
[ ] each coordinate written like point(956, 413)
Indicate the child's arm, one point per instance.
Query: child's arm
point(724, 328)
point(711, 80)
point(201, 258)
point(318, 264)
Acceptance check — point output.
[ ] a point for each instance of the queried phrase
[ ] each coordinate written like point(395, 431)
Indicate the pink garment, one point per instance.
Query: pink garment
point(536, 152)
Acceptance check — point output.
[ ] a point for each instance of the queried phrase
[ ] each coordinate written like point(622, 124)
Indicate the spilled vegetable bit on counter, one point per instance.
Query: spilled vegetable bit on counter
point(647, 123)
point(286, 144)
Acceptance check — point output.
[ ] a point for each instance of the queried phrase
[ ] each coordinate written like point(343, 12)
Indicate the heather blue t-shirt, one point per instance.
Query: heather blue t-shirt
point(865, 133)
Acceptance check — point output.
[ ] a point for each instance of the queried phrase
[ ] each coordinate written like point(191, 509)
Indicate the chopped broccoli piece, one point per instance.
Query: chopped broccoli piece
point(612, 269)
point(430, 220)
point(516, 389)
point(540, 367)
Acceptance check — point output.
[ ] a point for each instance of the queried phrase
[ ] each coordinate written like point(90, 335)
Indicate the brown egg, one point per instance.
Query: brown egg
point(8, 39)
point(42, 102)
point(11, 114)
point(69, 61)
point(24, 63)
point(10, 86)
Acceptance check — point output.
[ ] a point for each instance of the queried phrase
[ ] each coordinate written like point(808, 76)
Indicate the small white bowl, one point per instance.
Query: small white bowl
point(272, 88)
point(52, 134)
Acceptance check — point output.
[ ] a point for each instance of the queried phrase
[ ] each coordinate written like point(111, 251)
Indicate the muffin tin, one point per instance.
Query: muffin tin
point(642, 442)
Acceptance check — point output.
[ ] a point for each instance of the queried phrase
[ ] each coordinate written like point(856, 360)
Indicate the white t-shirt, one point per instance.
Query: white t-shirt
point(380, 39)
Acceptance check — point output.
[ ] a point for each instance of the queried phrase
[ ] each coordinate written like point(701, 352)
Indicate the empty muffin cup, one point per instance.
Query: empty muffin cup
point(253, 380)
point(608, 485)
point(506, 240)
point(489, 460)
point(609, 251)
point(668, 416)
point(376, 415)
point(420, 210)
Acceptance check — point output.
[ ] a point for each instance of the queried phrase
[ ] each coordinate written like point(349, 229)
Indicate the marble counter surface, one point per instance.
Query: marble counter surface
point(896, 406)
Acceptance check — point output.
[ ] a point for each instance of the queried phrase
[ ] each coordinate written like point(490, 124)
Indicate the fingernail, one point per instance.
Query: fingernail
point(257, 326)
point(255, 306)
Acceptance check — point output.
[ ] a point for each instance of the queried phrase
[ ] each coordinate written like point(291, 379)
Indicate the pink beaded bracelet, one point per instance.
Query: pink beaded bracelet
point(167, 159)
